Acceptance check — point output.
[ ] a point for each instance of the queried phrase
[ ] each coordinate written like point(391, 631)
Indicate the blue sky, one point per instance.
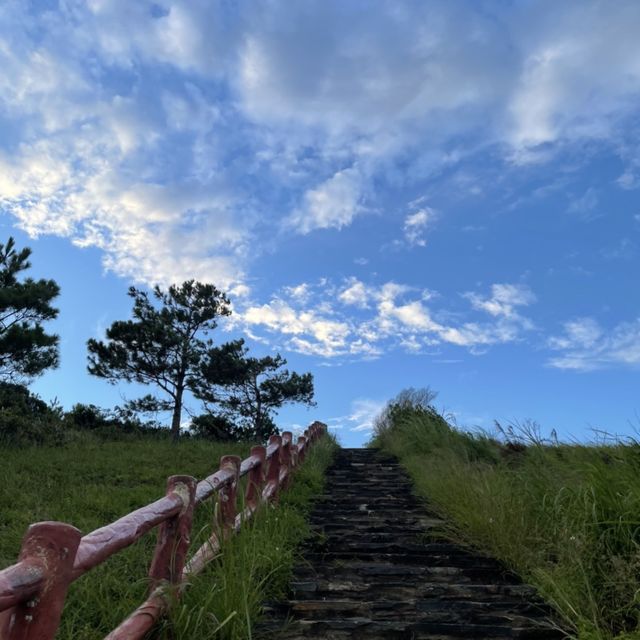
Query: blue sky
point(393, 193)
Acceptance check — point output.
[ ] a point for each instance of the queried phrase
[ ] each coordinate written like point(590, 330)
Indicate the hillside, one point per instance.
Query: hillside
point(566, 517)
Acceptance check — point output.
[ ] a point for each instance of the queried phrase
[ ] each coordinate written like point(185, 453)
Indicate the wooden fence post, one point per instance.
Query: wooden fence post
point(302, 449)
point(228, 494)
point(256, 479)
point(285, 457)
point(174, 535)
point(273, 473)
point(51, 546)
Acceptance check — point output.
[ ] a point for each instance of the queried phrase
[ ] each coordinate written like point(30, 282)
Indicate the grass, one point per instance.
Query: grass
point(90, 484)
point(565, 517)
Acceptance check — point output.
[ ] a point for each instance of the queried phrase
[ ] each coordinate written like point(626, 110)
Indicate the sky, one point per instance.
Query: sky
point(393, 194)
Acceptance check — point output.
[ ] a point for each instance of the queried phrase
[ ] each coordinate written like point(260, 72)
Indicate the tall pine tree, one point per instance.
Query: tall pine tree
point(163, 345)
point(249, 390)
point(26, 349)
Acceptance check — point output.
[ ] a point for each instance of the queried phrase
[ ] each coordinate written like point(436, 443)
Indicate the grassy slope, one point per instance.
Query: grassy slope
point(93, 484)
point(567, 518)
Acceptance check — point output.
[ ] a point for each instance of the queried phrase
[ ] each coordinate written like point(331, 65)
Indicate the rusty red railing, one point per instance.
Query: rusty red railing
point(54, 554)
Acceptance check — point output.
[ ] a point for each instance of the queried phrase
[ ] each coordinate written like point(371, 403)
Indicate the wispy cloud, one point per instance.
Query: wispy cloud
point(417, 223)
point(585, 346)
point(357, 320)
point(361, 416)
point(504, 300)
point(586, 205)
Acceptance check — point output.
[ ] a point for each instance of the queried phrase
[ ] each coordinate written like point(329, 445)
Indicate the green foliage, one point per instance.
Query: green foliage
point(250, 388)
point(26, 420)
point(87, 416)
point(119, 423)
point(566, 517)
point(163, 345)
point(26, 350)
point(214, 427)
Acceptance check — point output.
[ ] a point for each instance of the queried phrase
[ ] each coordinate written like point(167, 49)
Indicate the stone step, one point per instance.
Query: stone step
point(366, 628)
point(371, 489)
point(367, 509)
point(380, 572)
point(357, 586)
point(380, 538)
point(339, 558)
point(380, 519)
point(380, 543)
point(469, 612)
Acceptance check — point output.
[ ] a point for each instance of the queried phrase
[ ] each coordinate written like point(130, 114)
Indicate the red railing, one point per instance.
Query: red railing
point(54, 554)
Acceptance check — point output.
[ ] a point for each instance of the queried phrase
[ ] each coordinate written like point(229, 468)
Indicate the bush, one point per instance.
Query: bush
point(87, 416)
point(121, 422)
point(214, 427)
point(408, 402)
point(25, 419)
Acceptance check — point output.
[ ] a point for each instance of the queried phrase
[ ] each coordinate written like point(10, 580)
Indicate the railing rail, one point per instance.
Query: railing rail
point(54, 554)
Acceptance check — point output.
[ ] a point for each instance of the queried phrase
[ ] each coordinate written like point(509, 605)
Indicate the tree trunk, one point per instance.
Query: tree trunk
point(258, 419)
point(177, 416)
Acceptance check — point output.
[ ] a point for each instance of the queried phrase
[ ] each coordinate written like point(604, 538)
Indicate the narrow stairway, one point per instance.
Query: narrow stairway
point(377, 568)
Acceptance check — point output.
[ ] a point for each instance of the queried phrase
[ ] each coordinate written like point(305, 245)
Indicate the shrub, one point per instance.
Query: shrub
point(25, 419)
point(214, 427)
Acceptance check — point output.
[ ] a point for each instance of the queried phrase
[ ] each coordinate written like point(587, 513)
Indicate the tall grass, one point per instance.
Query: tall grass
point(566, 517)
point(94, 484)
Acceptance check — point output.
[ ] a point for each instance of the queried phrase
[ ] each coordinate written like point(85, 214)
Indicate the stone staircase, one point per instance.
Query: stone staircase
point(378, 568)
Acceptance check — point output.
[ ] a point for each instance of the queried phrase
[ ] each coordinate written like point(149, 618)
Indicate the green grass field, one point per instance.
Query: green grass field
point(90, 484)
point(565, 517)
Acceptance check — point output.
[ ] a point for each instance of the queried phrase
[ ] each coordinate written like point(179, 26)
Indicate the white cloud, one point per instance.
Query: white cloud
point(332, 204)
point(149, 232)
point(586, 205)
point(503, 300)
point(374, 320)
point(361, 416)
point(629, 180)
point(415, 225)
point(90, 163)
point(355, 294)
point(305, 330)
point(586, 346)
point(298, 292)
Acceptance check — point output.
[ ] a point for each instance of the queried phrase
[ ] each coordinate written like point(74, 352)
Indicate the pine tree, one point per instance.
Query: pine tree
point(163, 345)
point(26, 350)
point(251, 389)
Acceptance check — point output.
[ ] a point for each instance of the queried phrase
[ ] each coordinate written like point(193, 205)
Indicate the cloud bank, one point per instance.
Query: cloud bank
point(174, 135)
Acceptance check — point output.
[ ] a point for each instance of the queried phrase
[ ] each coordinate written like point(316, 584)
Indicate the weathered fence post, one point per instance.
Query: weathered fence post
point(302, 449)
point(273, 473)
point(285, 459)
point(256, 479)
point(228, 494)
point(174, 535)
point(50, 546)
